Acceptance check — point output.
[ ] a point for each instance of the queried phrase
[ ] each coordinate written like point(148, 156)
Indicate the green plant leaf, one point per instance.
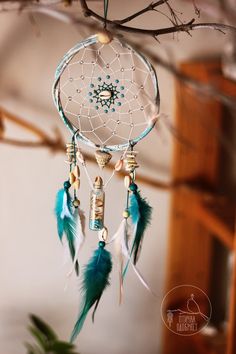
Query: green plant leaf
point(39, 336)
point(43, 328)
point(31, 349)
point(61, 347)
point(47, 340)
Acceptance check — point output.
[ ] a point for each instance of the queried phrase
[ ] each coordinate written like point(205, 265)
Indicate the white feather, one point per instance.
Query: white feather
point(122, 252)
point(79, 237)
point(65, 210)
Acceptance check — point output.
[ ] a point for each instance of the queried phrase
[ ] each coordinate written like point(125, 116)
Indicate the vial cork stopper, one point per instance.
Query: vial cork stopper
point(98, 183)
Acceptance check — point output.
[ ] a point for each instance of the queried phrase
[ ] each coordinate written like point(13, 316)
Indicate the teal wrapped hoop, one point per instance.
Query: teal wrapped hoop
point(94, 95)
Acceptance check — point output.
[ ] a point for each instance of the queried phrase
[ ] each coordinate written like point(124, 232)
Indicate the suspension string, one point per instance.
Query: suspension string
point(75, 161)
point(105, 3)
point(109, 179)
point(114, 171)
point(83, 163)
point(88, 176)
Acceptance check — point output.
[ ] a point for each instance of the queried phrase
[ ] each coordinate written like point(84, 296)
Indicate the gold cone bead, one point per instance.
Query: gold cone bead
point(102, 158)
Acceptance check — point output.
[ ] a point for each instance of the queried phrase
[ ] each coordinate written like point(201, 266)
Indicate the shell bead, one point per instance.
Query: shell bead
point(103, 234)
point(76, 171)
point(130, 161)
point(80, 157)
point(105, 95)
point(76, 184)
point(119, 165)
point(127, 181)
point(71, 150)
point(72, 178)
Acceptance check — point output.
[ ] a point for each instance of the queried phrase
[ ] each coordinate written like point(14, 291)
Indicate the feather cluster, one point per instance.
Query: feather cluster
point(69, 223)
point(95, 280)
point(140, 213)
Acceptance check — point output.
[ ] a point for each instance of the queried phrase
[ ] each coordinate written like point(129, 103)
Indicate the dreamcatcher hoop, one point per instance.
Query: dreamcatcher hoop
point(77, 132)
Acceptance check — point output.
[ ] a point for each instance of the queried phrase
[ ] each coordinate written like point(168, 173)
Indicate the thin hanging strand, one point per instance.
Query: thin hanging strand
point(87, 175)
point(106, 3)
point(114, 171)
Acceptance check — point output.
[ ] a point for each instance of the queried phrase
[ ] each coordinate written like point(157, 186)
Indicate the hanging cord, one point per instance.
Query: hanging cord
point(75, 161)
point(114, 171)
point(105, 3)
point(83, 163)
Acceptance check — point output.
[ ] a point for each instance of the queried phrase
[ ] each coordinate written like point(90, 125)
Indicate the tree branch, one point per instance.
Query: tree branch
point(58, 145)
point(150, 7)
point(184, 27)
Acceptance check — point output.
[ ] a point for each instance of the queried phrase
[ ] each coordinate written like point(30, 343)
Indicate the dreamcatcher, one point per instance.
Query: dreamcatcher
point(107, 95)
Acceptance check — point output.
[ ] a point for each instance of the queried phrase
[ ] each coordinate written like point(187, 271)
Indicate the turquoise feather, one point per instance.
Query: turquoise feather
point(140, 213)
point(96, 279)
point(66, 220)
point(58, 210)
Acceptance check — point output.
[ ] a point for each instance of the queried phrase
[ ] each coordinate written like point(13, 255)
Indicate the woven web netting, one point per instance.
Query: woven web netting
point(107, 92)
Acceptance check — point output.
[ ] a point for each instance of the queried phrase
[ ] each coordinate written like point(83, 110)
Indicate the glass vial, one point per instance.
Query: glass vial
point(97, 200)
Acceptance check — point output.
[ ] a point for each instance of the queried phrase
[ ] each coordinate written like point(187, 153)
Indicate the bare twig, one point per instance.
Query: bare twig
point(44, 140)
point(152, 6)
point(183, 27)
point(118, 25)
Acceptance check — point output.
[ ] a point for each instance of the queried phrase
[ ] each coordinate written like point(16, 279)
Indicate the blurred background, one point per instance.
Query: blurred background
point(187, 173)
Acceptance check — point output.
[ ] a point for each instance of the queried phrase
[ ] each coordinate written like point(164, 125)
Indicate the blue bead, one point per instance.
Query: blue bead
point(66, 185)
point(91, 101)
point(122, 87)
point(133, 187)
point(122, 95)
point(108, 77)
point(117, 81)
point(105, 110)
point(90, 93)
point(96, 107)
point(101, 244)
point(91, 85)
point(99, 78)
point(118, 103)
point(113, 110)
